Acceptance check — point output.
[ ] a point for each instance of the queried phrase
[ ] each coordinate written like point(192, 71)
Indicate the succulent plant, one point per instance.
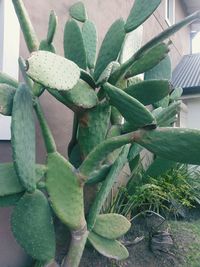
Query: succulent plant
point(111, 125)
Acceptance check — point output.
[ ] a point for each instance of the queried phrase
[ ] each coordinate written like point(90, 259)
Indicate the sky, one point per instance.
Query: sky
point(196, 44)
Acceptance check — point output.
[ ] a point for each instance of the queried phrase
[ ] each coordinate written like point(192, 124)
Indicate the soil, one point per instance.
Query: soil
point(184, 252)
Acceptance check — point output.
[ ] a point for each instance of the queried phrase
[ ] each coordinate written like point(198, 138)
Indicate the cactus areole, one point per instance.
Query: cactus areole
point(111, 125)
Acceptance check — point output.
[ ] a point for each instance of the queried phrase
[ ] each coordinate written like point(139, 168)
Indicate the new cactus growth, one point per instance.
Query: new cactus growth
point(111, 125)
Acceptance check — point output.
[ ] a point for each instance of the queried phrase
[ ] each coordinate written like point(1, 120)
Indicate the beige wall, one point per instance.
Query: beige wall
point(157, 23)
point(103, 13)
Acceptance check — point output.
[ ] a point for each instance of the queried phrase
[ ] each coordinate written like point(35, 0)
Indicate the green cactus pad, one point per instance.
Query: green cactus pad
point(73, 44)
point(32, 226)
point(159, 166)
point(103, 78)
point(109, 248)
point(53, 21)
point(132, 43)
point(52, 70)
point(115, 130)
point(162, 70)
point(176, 94)
point(167, 116)
point(111, 226)
point(75, 156)
point(93, 123)
point(5, 78)
point(9, 182)
point(23, 137)
point(149, 92)
point(78, 12)
point(10, 200)
point(68, 205)
point(140, 12)
point(90, 40)
point(110, 47)
point(176, 144)
point(100, 152)
point(99, 175)
point(45, 46)
point(150, 59)
point(81, 95)
point(7, 93)
point(130, 108)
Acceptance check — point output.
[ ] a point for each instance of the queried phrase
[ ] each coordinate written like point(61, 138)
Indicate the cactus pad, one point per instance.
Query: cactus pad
point(130, 108)
point(52, 70)
point(9, 183)
point(78, 12)
point(109, 248)
point(111, 226)
point(149, 92)
point(5, 78)
point(7, 93)
point(140, 11)
point(178, 144)
point(73, 44)
point(32, 226)
point(150, 59)
point(110, 47)
point(67, 206)
point(90, 41)
point(81, 95)
point(23, 137)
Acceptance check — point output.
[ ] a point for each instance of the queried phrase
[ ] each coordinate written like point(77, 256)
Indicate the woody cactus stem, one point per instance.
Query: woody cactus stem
point(77, 246)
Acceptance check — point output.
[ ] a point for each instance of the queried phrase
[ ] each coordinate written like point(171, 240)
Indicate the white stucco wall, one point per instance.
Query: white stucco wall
point(9, 53)
point(193, 112)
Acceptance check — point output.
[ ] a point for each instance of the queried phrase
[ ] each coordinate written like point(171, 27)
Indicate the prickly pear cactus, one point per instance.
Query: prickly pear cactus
point(112, 124)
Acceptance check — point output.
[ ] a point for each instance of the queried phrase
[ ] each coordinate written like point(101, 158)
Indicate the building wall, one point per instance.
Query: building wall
point(157, 23)
point(193, 111)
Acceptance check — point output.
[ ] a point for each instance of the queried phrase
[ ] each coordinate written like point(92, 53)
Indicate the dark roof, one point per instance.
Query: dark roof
point(187, 74)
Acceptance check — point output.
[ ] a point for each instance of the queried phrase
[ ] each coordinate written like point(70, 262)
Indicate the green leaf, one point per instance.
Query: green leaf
point(65, 191)
point(176, 144)
point(159, 166)
point(149, 92)
point(78, 12)
point(5, 78)
point(110, 47)
point(73, 44)
point(149, 60)
point(23, 137)
point(109, 248)
point(90, 40)
point(81, 95)
point(9, 182)
point(7, 93)
point(130, 108)
point(111, 226)
point(140, 12)
point(32, 226)
point(52, 70)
